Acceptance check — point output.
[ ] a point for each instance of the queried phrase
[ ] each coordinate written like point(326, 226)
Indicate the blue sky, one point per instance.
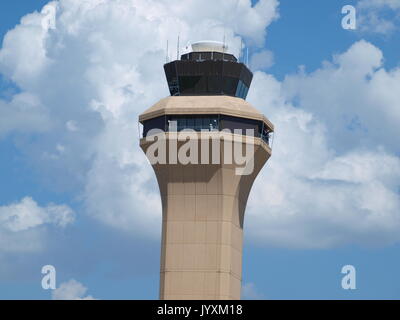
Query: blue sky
point(98, 249)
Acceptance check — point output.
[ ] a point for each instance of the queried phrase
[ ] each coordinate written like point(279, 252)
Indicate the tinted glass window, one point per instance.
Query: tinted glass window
point(207, 75)
point(181, 123)
point(207, 122)
point(155, 123)
point(190, 123)
point(198, 123)
point(232, 123)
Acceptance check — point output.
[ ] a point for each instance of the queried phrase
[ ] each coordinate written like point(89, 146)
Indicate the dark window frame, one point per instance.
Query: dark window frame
point(188, 121)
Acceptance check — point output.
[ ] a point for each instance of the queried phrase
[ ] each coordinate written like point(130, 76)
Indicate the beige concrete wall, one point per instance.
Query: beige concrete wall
point(202, 232)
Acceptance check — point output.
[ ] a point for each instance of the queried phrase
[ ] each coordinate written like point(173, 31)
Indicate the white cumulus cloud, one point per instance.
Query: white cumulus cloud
point(332, 179)
point(94, 66)
point(21, 224)
point(71, 290)
point(378, 16)
point(262, 60)
point(250, 292)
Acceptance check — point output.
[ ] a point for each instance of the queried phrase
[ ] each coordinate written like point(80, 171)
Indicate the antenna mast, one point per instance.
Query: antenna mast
point(177, 49)
point(223, 47)
point(241, 48)
point(166, 55)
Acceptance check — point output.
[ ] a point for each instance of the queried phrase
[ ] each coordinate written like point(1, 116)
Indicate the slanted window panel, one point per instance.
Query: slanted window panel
point(265, 134)
point(181, 123)
point(194, 122)
point(245, 92)
point(197, 74)
point(172, 78)
point(242, 90)
point(239, 88)
point(188, 84)
point(155, 123)
point(232, 123)
point(230, 85)
point(214, 84)
point(198, 123)
point(214, 124)
point(174, 86)
point(207, 122)
point(190, 123)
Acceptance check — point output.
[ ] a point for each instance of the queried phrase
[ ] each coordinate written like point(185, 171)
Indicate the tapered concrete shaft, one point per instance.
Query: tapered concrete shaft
point(203, 206)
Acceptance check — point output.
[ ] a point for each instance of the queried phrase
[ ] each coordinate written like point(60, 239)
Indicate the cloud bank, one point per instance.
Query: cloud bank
point(94, 66)
point(334, 175)
point(23, 224)
point(381, 17)
point(71, 290)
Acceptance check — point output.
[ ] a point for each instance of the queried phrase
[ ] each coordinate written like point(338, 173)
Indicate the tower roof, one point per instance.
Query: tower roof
point(209, 46)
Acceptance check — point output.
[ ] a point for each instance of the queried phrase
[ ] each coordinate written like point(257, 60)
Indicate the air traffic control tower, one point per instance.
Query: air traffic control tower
point(204, 201)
